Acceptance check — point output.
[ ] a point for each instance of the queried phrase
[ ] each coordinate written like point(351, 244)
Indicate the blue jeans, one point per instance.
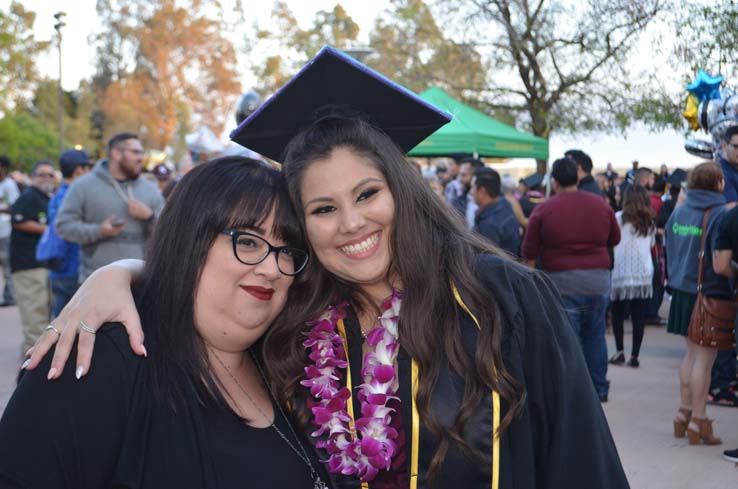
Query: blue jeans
point(587, 316)
point(62, 289)
point(723, 370)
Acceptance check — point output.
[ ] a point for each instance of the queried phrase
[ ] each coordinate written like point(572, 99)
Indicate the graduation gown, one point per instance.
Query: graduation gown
point(561, 440)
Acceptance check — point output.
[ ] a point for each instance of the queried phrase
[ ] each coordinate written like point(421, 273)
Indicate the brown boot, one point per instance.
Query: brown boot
point(704, 434)
point(680, 425)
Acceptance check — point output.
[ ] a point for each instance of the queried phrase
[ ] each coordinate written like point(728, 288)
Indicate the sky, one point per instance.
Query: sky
point(651, 149)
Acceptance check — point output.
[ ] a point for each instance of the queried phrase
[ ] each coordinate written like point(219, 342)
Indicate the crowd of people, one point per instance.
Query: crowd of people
point(353, 309)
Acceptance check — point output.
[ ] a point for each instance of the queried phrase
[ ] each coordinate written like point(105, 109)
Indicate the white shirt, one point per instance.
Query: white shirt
point(8, 194)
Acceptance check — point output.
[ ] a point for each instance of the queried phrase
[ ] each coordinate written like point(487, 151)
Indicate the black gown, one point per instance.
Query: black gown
point(561, 440)
point(106, 430)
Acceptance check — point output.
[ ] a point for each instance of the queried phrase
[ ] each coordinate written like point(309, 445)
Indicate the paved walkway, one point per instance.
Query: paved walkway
point(642, 404)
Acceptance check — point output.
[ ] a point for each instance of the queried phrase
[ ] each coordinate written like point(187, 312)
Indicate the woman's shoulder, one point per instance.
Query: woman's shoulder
point(509, 281)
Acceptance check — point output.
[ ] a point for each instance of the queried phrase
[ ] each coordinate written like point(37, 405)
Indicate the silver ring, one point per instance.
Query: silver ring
point(52, 328)
point(83, 326)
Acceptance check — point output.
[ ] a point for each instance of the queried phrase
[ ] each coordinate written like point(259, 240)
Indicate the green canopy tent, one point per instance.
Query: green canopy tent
point(473, 132)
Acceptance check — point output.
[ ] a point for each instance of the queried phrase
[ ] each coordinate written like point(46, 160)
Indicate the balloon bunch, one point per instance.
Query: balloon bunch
point(712, 109)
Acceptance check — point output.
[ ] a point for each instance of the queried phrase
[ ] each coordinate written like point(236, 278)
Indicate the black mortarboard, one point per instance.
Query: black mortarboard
point(333, 78)
point(677, 177)
point(532, 181)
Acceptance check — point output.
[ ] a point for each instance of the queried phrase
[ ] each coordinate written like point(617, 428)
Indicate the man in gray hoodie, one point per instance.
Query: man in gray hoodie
point(111, 211)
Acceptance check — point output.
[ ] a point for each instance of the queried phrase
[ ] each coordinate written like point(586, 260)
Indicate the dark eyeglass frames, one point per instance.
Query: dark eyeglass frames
point(252, 249)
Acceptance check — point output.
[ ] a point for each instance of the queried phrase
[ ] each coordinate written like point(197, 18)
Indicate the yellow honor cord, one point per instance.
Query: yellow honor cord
point(415, 441)
point(350, 400)
point(495, 403)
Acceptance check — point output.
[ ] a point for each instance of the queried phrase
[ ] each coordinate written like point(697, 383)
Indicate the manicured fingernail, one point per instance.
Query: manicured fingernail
point(52, 373)
point(30, 350)
point(144, 350)
point(78, 373)
point(25, 364)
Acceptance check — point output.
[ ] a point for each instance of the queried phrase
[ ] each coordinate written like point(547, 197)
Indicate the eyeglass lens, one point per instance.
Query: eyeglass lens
point(253, 249)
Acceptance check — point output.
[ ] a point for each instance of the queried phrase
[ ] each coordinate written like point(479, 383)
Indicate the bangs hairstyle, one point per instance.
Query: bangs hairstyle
point(430, 322)
point(225, 193)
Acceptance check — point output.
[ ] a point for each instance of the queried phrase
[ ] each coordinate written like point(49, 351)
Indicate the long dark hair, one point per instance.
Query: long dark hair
point(226, 193)
point(430, 327)
point(637, 210)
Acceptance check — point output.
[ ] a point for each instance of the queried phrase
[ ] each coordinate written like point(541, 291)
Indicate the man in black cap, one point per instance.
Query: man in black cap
point(73, 163)
point(532, 194)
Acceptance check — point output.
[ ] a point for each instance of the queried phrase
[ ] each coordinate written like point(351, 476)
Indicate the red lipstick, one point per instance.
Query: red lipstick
point(261, 293)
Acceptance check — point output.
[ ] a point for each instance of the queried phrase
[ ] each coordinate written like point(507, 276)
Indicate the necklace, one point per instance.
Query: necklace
point(302, 453)
point(366, 446)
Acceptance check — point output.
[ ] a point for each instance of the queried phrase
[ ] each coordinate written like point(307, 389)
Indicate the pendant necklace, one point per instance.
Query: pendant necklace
point(301, 453)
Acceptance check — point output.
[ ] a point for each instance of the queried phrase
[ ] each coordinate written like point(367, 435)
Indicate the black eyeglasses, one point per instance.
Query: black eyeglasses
point(251, 249)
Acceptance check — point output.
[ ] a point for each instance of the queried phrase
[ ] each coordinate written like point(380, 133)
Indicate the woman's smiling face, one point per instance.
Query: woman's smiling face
point(349, 212)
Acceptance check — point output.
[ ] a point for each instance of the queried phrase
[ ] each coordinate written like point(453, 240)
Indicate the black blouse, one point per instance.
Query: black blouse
point(106, 430)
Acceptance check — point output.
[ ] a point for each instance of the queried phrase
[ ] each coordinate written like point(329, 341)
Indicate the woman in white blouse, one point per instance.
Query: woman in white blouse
point(633, 270)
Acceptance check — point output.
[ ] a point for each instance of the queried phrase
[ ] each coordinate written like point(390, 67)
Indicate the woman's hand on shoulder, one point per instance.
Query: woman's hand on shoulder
point(104, 297)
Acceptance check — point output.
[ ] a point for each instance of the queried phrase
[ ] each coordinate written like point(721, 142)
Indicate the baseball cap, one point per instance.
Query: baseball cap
point(74, 157)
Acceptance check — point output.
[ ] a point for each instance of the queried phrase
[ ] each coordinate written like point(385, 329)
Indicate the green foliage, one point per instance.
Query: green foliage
point(707, 37)
point(18, 50)
point(26, 139)
point(334, 27)
point(411, 48)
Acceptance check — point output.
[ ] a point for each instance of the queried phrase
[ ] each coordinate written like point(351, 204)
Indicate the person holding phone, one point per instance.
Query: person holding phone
point(110, 212)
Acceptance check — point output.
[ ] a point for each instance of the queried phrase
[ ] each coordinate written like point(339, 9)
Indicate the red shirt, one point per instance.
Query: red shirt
point(571, 231)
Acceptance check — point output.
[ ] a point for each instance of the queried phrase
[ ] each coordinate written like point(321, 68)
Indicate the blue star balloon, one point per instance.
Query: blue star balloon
point(705, 87)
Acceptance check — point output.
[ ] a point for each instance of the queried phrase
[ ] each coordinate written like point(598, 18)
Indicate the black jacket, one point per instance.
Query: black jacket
point(589, 184)
point(561, 440)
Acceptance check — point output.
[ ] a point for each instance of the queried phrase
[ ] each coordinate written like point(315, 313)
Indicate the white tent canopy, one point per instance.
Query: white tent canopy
point(203, 141)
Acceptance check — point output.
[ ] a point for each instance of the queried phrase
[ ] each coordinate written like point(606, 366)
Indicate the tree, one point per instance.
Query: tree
point(411, 48)
point(154, 56)
point(295, 46)
point(18, 50)
point(560, 65)
point(26, 139)
point(707, 37)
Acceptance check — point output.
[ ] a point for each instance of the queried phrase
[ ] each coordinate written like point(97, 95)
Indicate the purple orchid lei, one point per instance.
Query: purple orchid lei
point(368, 448)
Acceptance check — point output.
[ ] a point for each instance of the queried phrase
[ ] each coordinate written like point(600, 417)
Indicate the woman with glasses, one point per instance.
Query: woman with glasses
point(197, 412)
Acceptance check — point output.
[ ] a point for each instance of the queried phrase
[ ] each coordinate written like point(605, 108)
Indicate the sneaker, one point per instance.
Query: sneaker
point(723, 397)
point(633, 362)
point(617, 359)
point(731, 455)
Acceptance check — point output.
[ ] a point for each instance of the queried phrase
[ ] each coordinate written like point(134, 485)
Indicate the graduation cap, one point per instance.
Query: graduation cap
point(335, 79)
point(532, 181)
point(677, 177)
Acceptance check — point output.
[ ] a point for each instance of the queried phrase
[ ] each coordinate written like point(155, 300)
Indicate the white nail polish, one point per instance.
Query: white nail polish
point(78, 373)
point(146, 355)
point(25, 364)
point(52, 373)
